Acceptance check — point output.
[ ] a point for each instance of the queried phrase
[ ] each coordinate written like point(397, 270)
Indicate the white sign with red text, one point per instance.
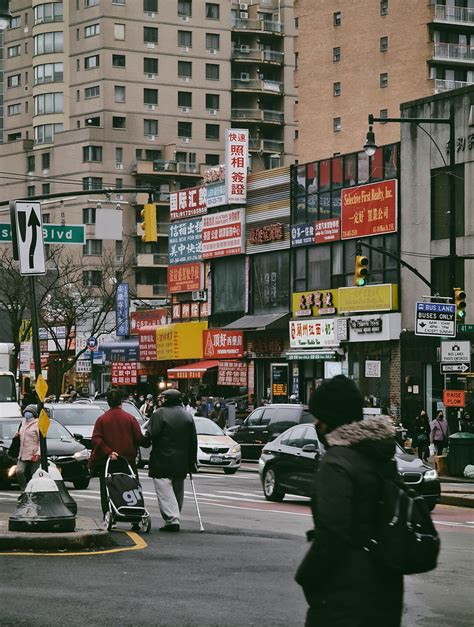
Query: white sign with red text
point(223, 234)
point(236, 165)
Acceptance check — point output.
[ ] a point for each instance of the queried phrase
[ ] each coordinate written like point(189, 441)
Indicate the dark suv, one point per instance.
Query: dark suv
point(264, 424)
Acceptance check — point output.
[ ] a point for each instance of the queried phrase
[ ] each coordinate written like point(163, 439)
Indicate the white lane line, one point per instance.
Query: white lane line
point(448, 523)
point(253, 509)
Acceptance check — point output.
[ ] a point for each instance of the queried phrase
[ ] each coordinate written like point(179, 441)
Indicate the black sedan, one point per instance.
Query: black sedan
point(70, 456)
point(288, 463)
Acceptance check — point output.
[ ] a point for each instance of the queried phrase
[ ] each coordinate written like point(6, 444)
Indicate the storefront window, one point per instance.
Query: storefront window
point(270, 282)
point(319, 267)
point(228, 285)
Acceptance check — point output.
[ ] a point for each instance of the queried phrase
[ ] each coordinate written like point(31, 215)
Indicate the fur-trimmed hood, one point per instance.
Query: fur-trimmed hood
point(371, 429)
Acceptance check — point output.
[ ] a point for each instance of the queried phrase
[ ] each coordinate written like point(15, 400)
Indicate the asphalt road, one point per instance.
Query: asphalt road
point(239, 572)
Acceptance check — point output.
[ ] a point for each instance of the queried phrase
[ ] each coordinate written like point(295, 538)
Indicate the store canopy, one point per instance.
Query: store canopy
point(261, 322)
point(192, 371)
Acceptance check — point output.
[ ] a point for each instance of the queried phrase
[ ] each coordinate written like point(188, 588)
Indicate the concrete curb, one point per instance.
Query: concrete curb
point(459, 500)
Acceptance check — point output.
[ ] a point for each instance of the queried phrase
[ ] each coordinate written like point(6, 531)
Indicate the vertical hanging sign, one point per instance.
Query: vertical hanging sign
point(236, 165)
point(122, 306)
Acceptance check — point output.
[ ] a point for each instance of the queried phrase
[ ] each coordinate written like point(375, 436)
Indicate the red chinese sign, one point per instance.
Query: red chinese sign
point(267, 233)
point(454, 398)
point(236, 165)
point(232, 373)
point(187, 203)
point(184, 278)
point(369, 209)
point(266, 347)
point(147, 343)
point(327, 231)
point(124, 373)
point(150, 318)
point(222, 343)
point(222, 234)
point(176, 311)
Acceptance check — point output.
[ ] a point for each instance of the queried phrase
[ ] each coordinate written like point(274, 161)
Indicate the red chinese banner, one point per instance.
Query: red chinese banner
point(267, 233)
point(184, 278)
point(222, 343)
point(369, 209)
point(327, 231)
point(187, 203)
point(124, 373)
point(222, 234)
point(232, 373)
point(150, 318)
point(176, 311)
point(147, 343)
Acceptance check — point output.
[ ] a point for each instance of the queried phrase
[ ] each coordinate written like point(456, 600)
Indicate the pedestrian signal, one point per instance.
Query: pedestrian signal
point(361, 270)
point(460, 302)
point(148, 225)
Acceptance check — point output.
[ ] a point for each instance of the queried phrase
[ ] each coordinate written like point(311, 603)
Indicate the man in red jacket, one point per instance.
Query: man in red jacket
point(115, 433)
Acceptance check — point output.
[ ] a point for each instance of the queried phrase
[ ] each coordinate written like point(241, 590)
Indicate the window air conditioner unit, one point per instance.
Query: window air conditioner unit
point(245, 49)
point(185, 109)
point(151, 107)
point(151, 76)
point(185, 79)
point(212, 111)
point(150, 44)
point(185, 140)
point(151, 138)
point(185, 18)
point(150, 14)
point(184, 48)
point(118, 196)
point(118, 165)
point(244, 77)
point(212, 51)
point(244, 15)
point(243, 6)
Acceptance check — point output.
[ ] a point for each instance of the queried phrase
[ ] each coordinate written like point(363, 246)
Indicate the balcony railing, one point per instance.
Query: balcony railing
point(176, 167)
point(267, 26)
point(460, 15)
point(442, 85)
point(254, 54)
point(453, 52)
point(257, 84)
point(258, 115)
point(265, 145)
point(146, 290)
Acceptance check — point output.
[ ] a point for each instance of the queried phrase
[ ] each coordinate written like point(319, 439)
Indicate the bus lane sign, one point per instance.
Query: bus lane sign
point(435, 319)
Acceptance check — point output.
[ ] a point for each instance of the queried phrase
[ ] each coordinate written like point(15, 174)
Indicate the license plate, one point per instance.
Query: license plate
point(215, 459)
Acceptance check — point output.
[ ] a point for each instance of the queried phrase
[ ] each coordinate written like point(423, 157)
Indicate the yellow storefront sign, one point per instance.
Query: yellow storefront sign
point(164, 342)
point(368, 298)
point(180, 341)
point(314, 303)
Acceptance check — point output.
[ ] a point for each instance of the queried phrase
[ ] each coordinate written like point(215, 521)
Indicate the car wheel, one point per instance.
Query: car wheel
point(230, 471)
point(139, 461)
point(81, 484)
point(270, 486)
point(145, 524)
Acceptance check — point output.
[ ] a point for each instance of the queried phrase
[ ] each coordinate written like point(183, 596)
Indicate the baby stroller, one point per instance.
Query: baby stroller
point(125, 498)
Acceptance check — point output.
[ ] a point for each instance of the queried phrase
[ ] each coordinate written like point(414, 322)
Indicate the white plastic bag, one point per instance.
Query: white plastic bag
point(432, 450)
point(469, 471)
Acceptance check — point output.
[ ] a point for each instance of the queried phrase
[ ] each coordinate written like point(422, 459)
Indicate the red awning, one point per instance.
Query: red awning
point(192, 371)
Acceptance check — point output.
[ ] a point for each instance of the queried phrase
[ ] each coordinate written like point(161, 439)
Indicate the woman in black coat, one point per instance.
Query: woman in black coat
point(421, 435)
point(343, 585)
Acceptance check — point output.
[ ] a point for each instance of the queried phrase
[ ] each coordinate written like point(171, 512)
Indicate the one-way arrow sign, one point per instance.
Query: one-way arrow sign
point(29, 232)
point(462, 368)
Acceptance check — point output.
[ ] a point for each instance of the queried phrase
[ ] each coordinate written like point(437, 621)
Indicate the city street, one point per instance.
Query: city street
point(239, 572)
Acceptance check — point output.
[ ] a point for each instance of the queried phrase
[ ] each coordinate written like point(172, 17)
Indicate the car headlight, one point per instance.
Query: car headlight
point(12, 471)
point(235, 449)
point(81, 455)
point(430, 475)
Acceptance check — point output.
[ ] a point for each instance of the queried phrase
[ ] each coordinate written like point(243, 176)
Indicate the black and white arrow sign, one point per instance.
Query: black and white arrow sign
point(464, 367)
point(29, 230)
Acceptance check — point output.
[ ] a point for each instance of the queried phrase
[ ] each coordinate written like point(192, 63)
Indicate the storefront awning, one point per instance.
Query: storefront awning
point(308, 354)
point(261, 322)
point(192, 371)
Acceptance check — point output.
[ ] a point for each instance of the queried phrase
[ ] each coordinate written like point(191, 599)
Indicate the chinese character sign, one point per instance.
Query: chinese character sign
point(184, 241)
point(215, 195)
point(302, 234)
point(313, 333)
point(124, 373)
point(148, 318)
point(223, 234)
point(236, 165)
point(187, 203)
point(369, 209)
point(267, 233)
point(232, 373)
point(327, 231)
point(184, 278)
point(122, 306)
point(222, 343)
point(147, 343)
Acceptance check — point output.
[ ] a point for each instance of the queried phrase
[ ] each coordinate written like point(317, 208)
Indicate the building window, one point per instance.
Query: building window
point(336, 54)
point(13, 137)
point(91, 278)
point(119, 32)
point(383, 44)
point(15, 22)
point(91, 62)
point(212, 71)
point(45, 160)
point(91, 153)
point(212, 41)
point(185, 8)
point(150, 66)
point(336, 89)
point(50, 12)
point(440, 202)
point(94, 121)
point(212, 11)
point(440, 276)
point(92, 30)
point(44, 133)
point(150, 127)
point(119, 93)
point(48, 73)
point(13, 51)
point(30, 191)
point(383, 114)
point(46, 216)
point(150, 6)
point(336, 124)
point(185, 99)
point(384, 79)
point(185, 129)
point(92, 92)
point(118, 60)
point(185, 39)
point(212, 159)
point(185, 69)
point(337, 18)
point(383, 7)
point(49, 103)
point(271, 282)
point(14, 80)
point(14, 109)
point(45, 189)
point(118, 154)
point(30, 163)
point(90, 3)
point(150, 35)
point(212, 101)
point(93, 247)
point(150, 96)
point(212, 132)
point(88, 215)
point(92, 182)
point(48, 42)
point(119, 122)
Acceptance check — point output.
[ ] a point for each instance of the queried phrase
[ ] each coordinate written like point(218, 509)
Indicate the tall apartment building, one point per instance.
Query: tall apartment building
point(356, 58)
point(131, 93)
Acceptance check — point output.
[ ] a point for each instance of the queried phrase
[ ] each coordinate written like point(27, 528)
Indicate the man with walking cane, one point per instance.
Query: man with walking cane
point(173, 455)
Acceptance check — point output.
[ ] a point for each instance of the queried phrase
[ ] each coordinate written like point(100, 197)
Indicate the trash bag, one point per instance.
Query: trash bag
point(469, 471)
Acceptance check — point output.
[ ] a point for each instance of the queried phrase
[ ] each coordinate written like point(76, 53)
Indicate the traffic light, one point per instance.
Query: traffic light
point(361, 270)
point(460, 302)
point(150, 231)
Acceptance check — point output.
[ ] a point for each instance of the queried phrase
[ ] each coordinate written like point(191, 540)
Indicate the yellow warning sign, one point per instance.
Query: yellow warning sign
point(41, 387)
point(43, 423)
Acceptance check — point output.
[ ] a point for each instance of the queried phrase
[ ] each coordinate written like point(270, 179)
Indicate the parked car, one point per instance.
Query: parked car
point(215, 448)
point(288, 464)
point(265, 423)
point(68, 454)
point(78, 418)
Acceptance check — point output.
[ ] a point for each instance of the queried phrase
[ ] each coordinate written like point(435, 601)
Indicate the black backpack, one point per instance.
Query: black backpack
point(406, 539)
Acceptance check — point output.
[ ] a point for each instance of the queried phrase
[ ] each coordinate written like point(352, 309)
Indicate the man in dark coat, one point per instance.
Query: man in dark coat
point(173, 455)
point(342, 583)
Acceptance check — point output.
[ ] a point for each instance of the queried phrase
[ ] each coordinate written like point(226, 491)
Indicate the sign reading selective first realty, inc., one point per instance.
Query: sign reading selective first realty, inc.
point(435, 319)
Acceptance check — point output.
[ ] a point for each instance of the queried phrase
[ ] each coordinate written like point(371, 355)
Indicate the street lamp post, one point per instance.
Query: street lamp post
point(370, 147)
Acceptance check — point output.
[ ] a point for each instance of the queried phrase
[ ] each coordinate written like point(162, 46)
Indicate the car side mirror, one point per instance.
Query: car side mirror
point(78, 437)
point(310, 448)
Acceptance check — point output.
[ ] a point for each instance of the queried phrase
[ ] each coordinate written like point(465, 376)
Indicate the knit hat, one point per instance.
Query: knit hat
point(336, 402)
point(33, 409)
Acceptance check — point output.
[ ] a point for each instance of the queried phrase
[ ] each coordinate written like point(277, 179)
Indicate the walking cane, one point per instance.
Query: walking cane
point(201, 526)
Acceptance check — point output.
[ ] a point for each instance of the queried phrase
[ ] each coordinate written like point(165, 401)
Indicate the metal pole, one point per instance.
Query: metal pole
point(37, 360)
point(452, 200)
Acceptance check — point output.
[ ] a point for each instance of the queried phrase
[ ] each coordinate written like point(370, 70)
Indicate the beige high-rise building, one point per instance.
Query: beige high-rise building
point(126, 93)
point(368, 56)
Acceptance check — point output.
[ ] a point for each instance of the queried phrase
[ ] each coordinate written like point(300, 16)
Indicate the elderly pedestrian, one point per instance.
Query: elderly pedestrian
point(29, 456)
point(343, 584)
point(439, 433)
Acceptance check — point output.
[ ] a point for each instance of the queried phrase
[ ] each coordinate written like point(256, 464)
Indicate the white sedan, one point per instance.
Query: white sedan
point(215, 448)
